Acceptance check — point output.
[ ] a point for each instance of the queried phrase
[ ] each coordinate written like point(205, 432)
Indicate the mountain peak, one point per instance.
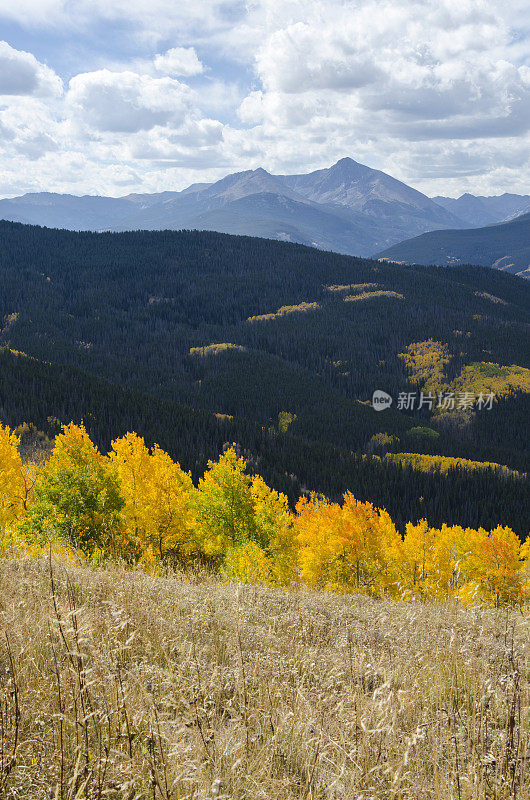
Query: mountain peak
point(348, 166)
point(346, 162)
point(249, 182)
point(364, 189)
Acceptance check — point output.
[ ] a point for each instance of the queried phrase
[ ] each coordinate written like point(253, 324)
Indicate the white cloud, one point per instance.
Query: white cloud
point(127, 102)
point(431, 91)
point(301, 58)
point(153, 21)
point(29, 128)
point(179, 61)
point(401, 61)
point(22, 74)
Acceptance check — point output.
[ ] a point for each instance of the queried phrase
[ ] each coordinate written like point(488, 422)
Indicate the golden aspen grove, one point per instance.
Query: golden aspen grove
point(138, 506)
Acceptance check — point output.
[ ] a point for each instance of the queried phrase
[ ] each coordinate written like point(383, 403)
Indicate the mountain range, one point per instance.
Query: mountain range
point(348, 208)
point(480, 211)
point(505, 246)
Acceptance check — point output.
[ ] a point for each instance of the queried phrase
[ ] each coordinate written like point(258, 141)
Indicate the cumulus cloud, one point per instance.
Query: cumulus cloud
point(22, 74)
point(179, 61)
point(127, 102)
point(401, 61)
point(301, 58)
point(436, 92)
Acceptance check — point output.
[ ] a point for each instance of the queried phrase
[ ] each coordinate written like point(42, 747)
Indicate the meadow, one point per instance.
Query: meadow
point(117, 683)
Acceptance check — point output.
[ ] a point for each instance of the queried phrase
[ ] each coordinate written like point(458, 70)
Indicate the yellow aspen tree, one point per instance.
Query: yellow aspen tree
point(14, 487)
point(451, 546)
point(170, 493)
point(248, 563)
point(373, 539)
point(274, 528)
point(346, 548)
point(432, 562)
point(318, 547)
point(157, 515)
point(416, 559)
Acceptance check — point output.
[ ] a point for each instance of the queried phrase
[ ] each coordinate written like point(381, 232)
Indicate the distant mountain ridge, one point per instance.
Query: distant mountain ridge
point(505, 246)
point(349, 208)
point(480, 211)
point(88, 212)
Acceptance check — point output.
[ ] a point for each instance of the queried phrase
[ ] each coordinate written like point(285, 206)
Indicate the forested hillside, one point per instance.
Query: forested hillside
point(505, 246)
point(173, 333)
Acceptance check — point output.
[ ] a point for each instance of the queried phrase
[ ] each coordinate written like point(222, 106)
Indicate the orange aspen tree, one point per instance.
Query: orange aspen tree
point(346, 548)
point(496, 568)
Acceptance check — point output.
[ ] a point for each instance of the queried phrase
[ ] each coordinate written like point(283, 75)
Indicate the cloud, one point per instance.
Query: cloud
point(436, 92)
point(28, 127)
point(127, 102)
point(179, 61)
point(399, 61)
point(153, 21)
point(22, 74)
point(301, 58)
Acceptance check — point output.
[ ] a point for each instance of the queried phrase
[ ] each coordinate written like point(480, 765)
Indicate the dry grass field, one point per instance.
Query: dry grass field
point(117, 684)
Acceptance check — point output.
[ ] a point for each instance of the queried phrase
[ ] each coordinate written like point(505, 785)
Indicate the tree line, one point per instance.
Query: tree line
point(137, 504)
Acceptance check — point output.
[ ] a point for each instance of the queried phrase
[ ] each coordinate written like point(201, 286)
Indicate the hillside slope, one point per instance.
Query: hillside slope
point(253, 329)
point(295, 692)
point(505, 246)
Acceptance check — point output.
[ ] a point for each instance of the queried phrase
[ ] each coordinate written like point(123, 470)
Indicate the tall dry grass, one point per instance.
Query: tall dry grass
point(117, 684)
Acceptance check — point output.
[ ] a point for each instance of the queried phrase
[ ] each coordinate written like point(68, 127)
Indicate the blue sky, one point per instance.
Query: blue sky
point(128, 95)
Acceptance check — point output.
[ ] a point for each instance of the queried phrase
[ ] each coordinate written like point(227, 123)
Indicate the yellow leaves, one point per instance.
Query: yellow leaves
point(428, 559)
point(138, 504)
point(284, 311)
point(73, 447)
point(351, 287)
point(216, 349)
point(224, 505)
point(475, 566)
point(12, 484)
point(17, 481)
point(484, 377)
point(425, 362)
point(442, 464)
point(496, 567)
point(350, 298)
point(248, 564)
point(236, 510)
point(274, 532)
point(77, 495)
point(347, 548)
point(157, 514)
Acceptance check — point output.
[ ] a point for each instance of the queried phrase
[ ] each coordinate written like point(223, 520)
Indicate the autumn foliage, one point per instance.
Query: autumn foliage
point(136, 504)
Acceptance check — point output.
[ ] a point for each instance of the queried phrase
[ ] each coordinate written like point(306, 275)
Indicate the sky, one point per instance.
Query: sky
point(116, 96)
